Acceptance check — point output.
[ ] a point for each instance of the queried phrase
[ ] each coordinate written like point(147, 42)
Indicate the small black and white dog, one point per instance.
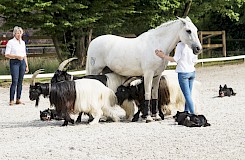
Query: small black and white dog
point(49, 114)
point(225, 91)
point(190, 120)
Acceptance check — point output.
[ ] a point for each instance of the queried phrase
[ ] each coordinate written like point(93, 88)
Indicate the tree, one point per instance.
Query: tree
point(204, 11)
point(149, 14)
point(69, 22)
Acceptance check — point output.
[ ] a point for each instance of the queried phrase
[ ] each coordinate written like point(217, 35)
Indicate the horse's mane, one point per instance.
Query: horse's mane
point(166, 24)
point(163, 25)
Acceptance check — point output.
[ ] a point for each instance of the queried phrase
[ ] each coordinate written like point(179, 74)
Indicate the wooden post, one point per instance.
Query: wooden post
point(224, 43)
point(201, 41)
point(209, 51)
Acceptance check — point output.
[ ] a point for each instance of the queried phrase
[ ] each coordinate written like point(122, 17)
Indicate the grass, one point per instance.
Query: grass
point(49, 64)
point(6, 83)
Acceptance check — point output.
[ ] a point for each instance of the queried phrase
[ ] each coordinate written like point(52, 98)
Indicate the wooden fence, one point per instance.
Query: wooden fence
point(37, 46)
point(42, 46)
point(207, 35)
point(202, 61)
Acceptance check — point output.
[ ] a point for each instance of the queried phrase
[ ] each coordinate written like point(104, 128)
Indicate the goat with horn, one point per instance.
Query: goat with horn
point(111, 80)
point(73, 97)
point(170, 96)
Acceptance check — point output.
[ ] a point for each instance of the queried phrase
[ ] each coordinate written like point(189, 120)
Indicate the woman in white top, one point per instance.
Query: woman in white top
point(16, 52)
point(186, 60)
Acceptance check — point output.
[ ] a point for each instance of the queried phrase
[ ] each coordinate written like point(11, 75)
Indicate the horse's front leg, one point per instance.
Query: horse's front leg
point(156, 112)
point(148, 77)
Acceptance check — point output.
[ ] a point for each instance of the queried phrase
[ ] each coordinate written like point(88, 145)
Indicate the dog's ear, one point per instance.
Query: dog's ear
point(220, 86)
point(225, 86)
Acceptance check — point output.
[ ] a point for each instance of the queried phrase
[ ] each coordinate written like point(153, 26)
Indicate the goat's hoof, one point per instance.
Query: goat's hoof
point(116, 119)
point(65, 123)
point(162, 116)
point(78, 121)
point(135, 119)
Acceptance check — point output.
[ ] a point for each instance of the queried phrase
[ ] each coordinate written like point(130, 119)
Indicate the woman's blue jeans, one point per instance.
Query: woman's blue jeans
point(17, 70)
point(186, 83)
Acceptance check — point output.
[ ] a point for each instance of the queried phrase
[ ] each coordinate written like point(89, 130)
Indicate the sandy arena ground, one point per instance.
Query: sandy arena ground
point(24, 136)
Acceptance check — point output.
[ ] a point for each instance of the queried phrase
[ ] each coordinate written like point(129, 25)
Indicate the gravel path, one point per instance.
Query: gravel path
point(24, 136)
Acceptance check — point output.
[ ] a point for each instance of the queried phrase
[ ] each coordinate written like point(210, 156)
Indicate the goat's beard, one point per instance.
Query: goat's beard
point(37, 101)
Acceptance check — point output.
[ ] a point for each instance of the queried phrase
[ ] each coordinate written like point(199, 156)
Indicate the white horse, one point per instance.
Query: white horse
point(136, 56)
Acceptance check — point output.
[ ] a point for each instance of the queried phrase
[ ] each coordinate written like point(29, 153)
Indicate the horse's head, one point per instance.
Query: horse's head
point(188, 35)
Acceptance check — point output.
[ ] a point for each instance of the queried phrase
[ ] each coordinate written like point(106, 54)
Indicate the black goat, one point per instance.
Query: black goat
point(136, 92)
point(111, 80)
point(73, 97)
point(62, 95)
point(62, 75)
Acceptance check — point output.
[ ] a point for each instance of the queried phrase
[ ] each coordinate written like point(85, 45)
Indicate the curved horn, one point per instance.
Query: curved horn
point(65, 62)
point(35, 75)
point(128, 81)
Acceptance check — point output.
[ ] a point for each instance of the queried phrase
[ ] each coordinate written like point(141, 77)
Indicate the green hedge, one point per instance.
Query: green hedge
point(49, 64)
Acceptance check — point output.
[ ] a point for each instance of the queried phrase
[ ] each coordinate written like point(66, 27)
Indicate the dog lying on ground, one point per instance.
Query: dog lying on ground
point(190, 120)
point(49, 114)
point(225, 91)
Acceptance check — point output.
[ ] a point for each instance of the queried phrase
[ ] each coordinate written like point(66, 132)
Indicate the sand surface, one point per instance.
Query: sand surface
point(24, 136)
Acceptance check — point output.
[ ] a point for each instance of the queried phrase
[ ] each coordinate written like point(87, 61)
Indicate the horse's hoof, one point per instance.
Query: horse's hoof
point(149, 119)
point(156, 117)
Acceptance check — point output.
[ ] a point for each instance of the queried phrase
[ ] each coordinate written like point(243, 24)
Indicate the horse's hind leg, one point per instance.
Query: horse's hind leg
point(156, 112)
point(94, 66)
point(155, 109)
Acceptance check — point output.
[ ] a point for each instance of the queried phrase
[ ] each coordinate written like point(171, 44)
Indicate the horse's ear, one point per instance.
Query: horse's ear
point(188, 19)
point(182, 20)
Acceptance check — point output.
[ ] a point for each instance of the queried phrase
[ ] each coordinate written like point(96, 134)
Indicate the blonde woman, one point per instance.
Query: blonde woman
point(16, 52)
